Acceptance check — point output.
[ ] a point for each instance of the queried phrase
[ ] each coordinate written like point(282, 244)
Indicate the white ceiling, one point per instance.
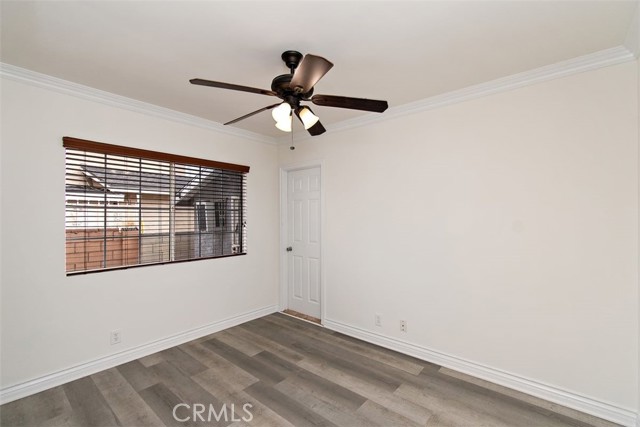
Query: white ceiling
point(392, 50)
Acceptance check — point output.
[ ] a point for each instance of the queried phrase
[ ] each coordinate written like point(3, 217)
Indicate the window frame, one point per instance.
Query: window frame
point(93, 147)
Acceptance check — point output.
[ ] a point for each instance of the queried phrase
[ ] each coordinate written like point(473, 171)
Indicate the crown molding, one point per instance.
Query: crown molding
point(36, 79)
point(592, 61)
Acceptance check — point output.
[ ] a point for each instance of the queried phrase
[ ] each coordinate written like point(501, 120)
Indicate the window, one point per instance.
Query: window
point(127, 207)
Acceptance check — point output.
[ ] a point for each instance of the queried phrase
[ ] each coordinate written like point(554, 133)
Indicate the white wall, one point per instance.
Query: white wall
point(503, 229)
point(638, 75)
point(51, 322)
point(633, 43)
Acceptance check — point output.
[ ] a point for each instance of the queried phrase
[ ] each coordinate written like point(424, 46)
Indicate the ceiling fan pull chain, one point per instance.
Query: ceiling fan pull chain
point(292, 147)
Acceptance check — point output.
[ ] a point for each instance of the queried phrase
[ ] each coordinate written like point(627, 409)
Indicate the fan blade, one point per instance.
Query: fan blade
point(221, 85)
point(309, 72)
point(251, 114)
point(350, 103)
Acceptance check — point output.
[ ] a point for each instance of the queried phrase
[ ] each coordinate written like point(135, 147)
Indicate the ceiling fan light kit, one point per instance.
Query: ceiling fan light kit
point(284, 124)
point(307, 117)
point(293, 88)
point(281, 112)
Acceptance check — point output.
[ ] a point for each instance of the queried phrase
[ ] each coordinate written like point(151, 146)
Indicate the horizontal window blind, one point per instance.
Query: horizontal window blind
point(128, 207)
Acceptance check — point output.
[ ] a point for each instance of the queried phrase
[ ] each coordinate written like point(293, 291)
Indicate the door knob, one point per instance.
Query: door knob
point(289, 248)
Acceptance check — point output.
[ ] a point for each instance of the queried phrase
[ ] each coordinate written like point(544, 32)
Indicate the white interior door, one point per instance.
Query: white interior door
point(303, 241)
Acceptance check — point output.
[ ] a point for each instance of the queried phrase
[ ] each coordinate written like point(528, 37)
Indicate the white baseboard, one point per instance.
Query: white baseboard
point(550, 393)
point(54, 379)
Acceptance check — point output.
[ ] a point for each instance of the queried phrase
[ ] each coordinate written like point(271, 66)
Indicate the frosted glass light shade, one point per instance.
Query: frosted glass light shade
point(308, 118)
point(284, 125)
point(281, 112)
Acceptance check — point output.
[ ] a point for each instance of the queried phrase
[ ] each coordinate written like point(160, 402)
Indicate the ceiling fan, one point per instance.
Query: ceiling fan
point(296, 87)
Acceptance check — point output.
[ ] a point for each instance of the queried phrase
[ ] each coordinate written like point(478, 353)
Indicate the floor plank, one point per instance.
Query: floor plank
point(333, 410)
point(267, 344)
point(238, 342)
point(137, 375)
point(50, 404)
point(163, 401)
point(266, 373)
point(125, 402)
point(376, 413)
point(88, 404)
point(382, 396)
point(183, 361)
point(287, 407)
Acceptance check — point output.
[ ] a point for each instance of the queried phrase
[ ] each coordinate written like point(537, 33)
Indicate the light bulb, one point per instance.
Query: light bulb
point(308, 118)
point(281, 112)
point(284, 125)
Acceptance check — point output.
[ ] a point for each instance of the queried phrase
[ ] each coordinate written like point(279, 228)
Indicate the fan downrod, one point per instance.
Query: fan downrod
point(292, 59)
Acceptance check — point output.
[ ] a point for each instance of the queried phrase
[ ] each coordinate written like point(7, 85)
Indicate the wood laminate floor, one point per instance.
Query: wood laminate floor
point(292, 373)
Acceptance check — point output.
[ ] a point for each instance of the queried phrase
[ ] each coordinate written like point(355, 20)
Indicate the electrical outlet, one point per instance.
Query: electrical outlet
point(378, 320)
point(403, 326)
point(116, 337)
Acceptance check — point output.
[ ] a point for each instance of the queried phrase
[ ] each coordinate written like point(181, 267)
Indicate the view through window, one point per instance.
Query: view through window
point(128, 207)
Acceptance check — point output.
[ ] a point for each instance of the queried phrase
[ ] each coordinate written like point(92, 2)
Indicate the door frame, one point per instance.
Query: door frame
point(283, 300)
